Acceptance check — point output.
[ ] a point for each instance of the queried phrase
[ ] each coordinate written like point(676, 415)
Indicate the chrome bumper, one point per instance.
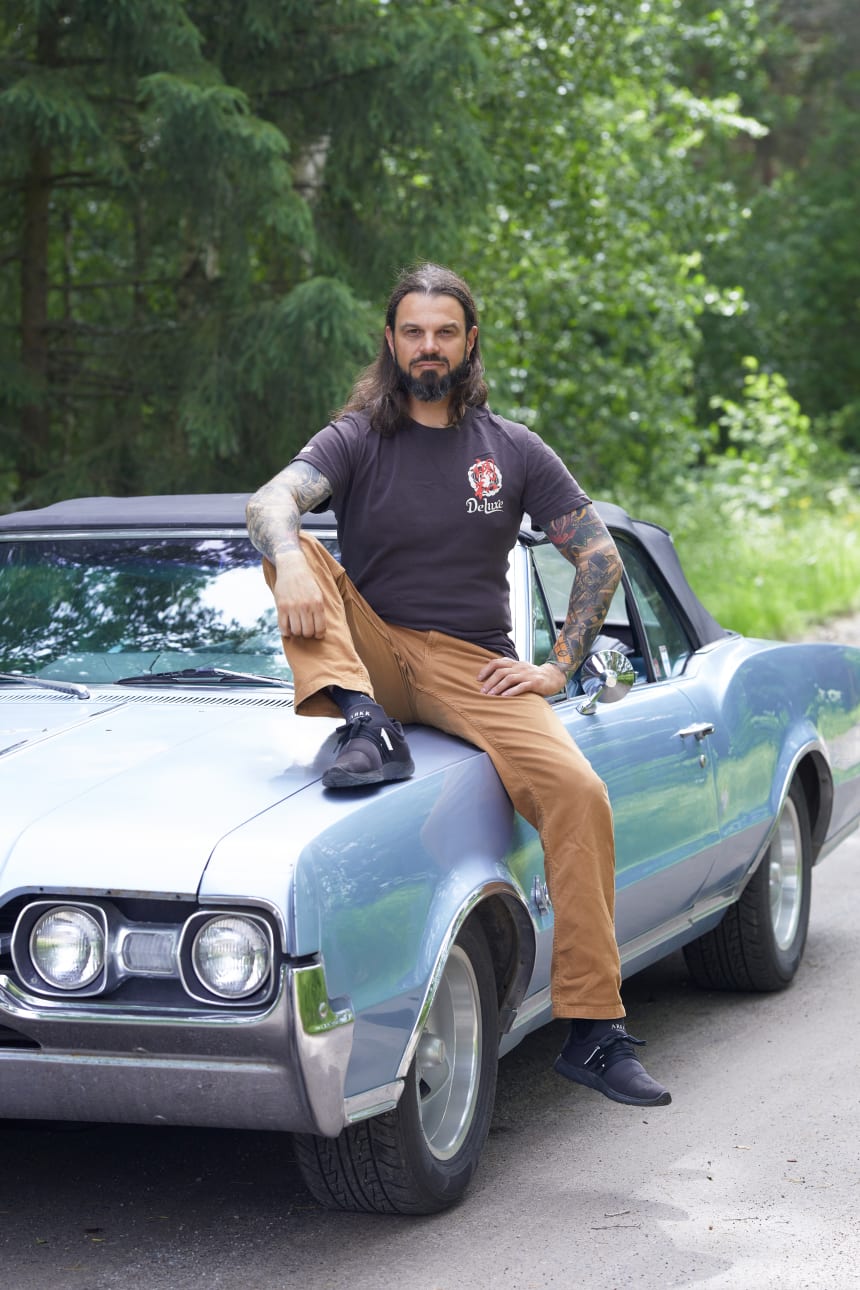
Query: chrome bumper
point(279, 1069)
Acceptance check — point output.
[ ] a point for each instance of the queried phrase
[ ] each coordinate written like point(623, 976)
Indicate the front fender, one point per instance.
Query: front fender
point(382, 891)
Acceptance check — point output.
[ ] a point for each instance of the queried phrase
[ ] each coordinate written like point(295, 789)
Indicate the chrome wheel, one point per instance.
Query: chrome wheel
point(448, 1058)
point(785, 876)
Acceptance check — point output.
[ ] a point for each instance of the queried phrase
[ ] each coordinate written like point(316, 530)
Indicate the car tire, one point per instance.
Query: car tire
point(420, 1157)
point(759, 944)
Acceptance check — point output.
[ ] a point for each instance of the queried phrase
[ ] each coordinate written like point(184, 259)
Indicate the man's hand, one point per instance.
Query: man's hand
point(298, 599)
point(274, 516)
point(507, 676)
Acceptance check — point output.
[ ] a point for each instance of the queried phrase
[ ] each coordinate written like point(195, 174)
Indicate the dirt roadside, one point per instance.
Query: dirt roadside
point(845, 630)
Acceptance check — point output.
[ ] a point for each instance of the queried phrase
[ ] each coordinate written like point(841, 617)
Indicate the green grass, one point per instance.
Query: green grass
point(773, 575)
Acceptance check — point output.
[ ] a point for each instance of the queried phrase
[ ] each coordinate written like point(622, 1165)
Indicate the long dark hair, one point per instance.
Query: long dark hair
point(377, 390)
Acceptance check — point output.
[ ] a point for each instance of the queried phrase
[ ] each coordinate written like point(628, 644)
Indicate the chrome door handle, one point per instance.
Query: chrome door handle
point(699, 730)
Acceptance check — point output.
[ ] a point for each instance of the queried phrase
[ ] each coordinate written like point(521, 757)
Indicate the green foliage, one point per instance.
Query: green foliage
point(771, 575)
point(763, 453)
point(797, 253)
point(600, 214)
point(203, 204)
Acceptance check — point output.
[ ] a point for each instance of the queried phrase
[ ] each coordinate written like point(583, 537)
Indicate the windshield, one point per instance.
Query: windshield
point(96, 609)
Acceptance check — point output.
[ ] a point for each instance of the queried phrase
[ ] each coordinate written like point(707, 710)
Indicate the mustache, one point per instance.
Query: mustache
point(430, 358)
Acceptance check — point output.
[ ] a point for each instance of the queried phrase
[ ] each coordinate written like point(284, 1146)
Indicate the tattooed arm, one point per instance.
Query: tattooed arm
point(584, 540)
point(274, 515)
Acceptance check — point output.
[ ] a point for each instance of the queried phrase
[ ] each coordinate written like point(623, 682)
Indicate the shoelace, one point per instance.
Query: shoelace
point(610, 1050)
point(377, 734)
point(351, 729)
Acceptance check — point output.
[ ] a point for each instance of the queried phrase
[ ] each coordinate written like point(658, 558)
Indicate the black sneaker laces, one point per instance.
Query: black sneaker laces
point(362, 728)
point(611, 1048)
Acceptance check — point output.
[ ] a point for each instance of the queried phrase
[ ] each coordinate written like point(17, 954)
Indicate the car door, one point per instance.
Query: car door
point(651, 749)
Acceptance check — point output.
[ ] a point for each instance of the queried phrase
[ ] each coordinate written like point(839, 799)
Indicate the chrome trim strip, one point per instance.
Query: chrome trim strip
point(658, 935)
point(375, 1101)
point(124, 531)
point(492, 888)
point(838, 838)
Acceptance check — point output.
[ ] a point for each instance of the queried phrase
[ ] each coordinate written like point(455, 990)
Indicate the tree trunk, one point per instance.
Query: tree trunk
point(35, 416)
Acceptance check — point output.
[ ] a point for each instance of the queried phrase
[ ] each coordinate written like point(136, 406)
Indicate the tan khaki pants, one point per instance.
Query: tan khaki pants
point(430, 678)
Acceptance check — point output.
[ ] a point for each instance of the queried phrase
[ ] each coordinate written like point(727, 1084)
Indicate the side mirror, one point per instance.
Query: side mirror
point(605, 677)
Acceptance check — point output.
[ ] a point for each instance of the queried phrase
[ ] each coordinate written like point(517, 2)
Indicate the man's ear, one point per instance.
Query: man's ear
point(471, 337)
point(389, 336)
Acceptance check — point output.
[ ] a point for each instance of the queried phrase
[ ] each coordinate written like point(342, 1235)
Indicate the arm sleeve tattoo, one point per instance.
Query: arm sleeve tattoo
point(275, 511)
point(584, 540)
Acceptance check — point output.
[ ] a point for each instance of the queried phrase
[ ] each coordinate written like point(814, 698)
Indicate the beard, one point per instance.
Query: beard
point(430, 387)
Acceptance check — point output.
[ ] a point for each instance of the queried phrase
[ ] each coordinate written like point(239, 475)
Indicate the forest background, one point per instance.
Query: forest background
point(204, 203)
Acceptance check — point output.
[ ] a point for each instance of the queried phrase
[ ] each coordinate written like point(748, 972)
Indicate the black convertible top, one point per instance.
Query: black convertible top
point(227, 510)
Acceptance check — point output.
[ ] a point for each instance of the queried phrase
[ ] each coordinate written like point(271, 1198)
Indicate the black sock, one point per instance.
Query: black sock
point(582, 1030)
point(353, 703)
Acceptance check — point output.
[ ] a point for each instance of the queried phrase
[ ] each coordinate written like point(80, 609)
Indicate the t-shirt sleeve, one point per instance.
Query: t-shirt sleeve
point(550, 489)
point(333, 452)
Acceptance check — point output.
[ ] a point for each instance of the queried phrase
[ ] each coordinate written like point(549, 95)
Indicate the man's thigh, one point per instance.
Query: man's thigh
point(522, 733)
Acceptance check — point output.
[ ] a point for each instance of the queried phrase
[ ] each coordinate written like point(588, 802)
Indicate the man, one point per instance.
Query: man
point(429, 488)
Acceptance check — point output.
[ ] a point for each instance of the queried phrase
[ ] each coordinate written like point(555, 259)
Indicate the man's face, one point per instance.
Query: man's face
point(430, 345)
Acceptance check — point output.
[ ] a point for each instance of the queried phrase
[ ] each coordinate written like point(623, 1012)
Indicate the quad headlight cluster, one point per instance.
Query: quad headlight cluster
point(87, 949)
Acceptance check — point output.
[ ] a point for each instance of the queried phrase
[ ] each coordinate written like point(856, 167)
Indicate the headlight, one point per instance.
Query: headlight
point(231, 956)
point(67, 948)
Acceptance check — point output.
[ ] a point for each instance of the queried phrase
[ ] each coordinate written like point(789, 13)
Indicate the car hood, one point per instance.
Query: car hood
point(132, 792)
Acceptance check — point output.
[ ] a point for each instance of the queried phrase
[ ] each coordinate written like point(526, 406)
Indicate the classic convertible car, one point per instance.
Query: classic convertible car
point(194, 931)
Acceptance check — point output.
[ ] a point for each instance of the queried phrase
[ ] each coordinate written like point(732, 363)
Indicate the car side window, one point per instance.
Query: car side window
point(667, 643)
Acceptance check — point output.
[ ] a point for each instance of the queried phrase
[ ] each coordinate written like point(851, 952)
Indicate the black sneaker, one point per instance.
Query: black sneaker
point(606, 1062)
point(369, 752)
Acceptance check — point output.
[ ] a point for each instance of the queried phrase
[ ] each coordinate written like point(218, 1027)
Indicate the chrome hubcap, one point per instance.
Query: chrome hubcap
point(786, 877)
point(448, 1058)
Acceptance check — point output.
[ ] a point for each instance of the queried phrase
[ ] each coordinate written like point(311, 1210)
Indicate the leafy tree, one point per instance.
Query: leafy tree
point(601, 213)
point(796, 253)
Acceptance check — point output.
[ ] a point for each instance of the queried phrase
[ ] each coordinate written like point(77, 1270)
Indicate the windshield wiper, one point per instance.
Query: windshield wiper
point(42, 683)
point(202, 675)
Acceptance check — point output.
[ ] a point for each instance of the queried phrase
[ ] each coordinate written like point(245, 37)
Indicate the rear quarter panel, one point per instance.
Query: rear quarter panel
point(772, 705)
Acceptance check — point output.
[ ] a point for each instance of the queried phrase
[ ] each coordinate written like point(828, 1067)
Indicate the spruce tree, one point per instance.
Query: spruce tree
point(203, 205)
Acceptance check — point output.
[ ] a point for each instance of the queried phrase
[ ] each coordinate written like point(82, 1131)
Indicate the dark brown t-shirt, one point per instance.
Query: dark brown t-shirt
point(426, 519)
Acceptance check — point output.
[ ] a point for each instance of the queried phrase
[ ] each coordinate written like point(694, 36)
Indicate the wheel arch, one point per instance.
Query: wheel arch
point(511, 939)
point(811, 769)
point(502, 914)
point(813, 772)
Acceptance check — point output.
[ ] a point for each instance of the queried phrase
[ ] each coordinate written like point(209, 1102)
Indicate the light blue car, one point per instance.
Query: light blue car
point(193, 931)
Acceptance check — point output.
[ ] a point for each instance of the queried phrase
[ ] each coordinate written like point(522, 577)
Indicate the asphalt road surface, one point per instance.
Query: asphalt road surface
point(750, 1180)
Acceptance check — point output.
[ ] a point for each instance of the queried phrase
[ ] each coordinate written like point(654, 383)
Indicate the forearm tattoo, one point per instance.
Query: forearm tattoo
point(275, 511)
point(584, 540)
